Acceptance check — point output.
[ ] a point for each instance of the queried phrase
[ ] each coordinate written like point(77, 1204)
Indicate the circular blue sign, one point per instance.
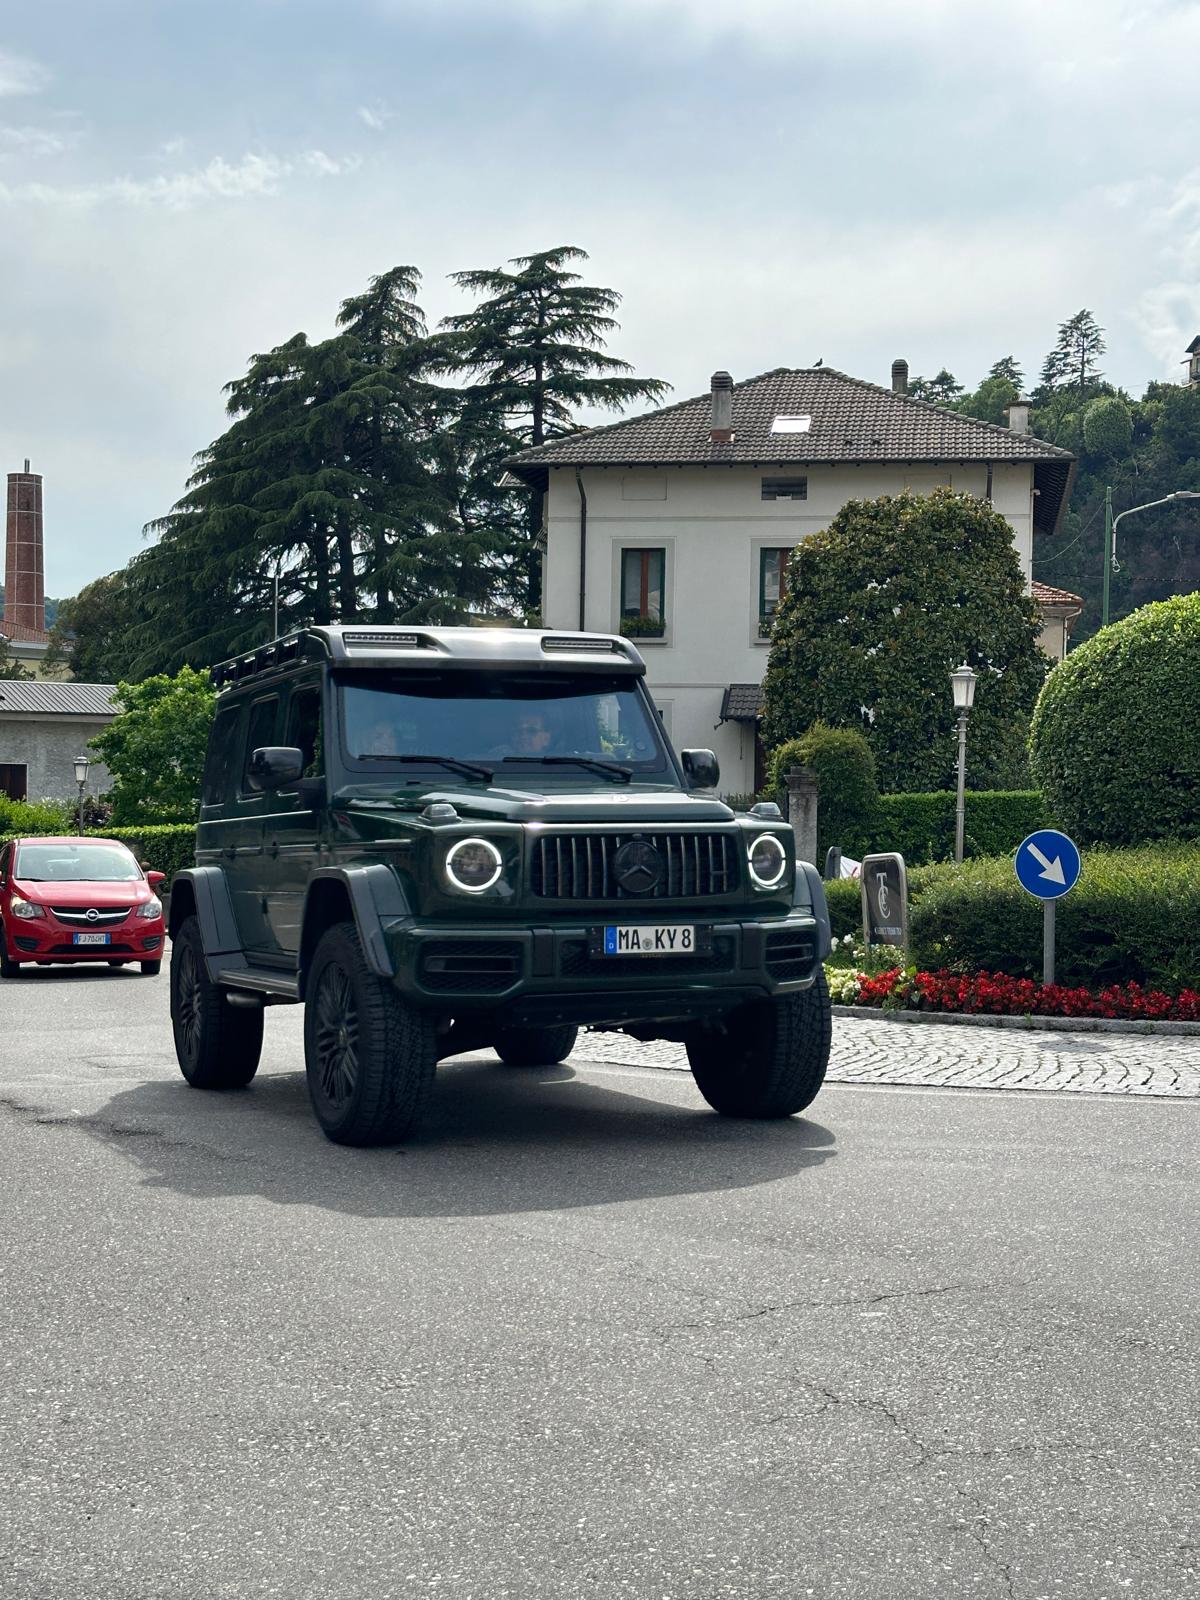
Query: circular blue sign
point(1047, 864)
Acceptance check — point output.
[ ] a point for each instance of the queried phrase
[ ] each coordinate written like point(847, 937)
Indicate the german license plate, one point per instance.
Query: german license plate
point(649, 939)
point(90, 938)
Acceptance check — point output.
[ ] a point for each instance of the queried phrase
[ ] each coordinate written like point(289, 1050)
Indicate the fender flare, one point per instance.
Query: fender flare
point(204, 891)
point(377, 901)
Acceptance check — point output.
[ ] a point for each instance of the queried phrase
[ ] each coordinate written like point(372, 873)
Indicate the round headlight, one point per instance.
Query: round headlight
point(473, 865)
point(768, 860)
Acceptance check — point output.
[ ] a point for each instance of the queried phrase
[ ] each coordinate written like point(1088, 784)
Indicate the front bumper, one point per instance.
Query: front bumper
point(554, 973)
point(47, 939)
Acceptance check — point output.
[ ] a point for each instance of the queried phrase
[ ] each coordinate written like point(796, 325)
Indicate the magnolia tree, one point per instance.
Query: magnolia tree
point(155, 747)
point(880, 607)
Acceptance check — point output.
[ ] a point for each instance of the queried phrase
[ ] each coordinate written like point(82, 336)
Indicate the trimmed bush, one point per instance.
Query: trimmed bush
point(921, 826)
point(844, 896)
point(167, 848)
point(1134, 916)
point(1115, 741)
point(848, 796)
point(23, 816)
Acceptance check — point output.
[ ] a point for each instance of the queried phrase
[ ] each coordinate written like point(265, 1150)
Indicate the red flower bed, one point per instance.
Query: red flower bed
point(996, 994)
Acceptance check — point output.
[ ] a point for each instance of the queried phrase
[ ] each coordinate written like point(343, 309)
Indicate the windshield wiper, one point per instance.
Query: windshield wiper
point(612, 769)
point(469, 769)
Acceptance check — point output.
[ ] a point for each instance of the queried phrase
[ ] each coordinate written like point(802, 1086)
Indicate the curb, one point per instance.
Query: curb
point(1027, 1024)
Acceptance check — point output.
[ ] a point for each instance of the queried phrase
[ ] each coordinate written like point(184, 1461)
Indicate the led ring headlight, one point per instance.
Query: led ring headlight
point(768, 860)
point(473, 865)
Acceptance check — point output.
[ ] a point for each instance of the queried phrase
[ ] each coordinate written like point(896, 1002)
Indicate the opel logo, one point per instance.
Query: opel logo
point(93, 915)
point(638, 867)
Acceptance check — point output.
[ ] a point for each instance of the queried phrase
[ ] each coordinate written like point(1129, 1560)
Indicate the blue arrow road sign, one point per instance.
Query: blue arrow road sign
point(1047, 864)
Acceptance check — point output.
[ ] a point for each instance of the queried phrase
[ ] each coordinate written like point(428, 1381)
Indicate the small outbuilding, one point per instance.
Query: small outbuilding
point(44, 725)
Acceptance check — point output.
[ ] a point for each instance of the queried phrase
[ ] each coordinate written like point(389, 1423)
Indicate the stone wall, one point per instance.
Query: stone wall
point(47, 747)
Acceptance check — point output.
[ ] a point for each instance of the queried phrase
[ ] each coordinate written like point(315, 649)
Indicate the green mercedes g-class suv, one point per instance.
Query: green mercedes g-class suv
point(443, 839)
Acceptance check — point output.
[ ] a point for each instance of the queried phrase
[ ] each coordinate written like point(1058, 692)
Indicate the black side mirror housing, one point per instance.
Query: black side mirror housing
point(274, 767)
point(701, 769)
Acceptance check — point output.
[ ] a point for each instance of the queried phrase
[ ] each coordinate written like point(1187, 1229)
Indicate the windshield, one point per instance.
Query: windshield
point(547, 720)
point(75, 863)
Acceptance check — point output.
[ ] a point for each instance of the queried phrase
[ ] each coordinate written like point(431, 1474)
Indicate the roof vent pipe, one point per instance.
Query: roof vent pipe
point(899, 376)
point(722, 408)
point(1018, 416)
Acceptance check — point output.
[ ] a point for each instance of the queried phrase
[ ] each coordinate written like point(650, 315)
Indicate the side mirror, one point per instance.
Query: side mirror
point(274, 767)
point(701, 769)
point(155, 878)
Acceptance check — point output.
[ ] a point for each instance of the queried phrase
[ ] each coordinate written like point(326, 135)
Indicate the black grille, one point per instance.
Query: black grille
point(103, 915)
point(577, 960)
point(579, 866)
point(790, 953)
point(24, 944)
point(152, 943)
point(457, 966)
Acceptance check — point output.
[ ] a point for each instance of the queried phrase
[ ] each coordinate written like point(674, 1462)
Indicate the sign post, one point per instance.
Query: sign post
point(885, 899)
point(1047, 865)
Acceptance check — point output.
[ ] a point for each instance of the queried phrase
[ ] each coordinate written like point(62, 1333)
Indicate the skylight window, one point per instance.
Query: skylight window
point(797, 424)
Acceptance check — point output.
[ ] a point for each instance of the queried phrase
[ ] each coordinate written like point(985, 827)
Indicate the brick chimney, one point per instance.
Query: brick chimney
point(722, 408)
point(899, 376)
point(24, 584)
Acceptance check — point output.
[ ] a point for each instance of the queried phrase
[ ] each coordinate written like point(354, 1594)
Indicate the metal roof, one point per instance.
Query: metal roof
point(799, 415)
point(46, 697)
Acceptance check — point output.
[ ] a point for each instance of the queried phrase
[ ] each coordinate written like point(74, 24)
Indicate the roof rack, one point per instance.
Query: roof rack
point(279, 653)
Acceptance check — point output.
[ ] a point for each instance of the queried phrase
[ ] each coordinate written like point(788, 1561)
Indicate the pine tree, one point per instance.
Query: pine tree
point(535, 346)
point(1008, 369)
point(1075, 359)
point(943, 389)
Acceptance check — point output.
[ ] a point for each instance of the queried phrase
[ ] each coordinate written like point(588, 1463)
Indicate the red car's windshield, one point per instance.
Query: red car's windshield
point(75, 863)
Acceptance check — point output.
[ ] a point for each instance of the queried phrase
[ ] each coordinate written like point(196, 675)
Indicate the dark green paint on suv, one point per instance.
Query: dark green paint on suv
point(441, 839)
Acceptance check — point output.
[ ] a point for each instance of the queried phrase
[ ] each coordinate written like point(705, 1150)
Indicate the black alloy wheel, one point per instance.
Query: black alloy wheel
point(369, 1055)
point(217, 1045)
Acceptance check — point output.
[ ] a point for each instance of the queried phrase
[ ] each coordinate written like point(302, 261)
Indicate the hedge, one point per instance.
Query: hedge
point(921, 826)
point(168, 848)
point(1133, 917)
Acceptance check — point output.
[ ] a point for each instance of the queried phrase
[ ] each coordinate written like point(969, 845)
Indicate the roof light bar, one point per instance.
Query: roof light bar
point(581, 646)
point(399, 641)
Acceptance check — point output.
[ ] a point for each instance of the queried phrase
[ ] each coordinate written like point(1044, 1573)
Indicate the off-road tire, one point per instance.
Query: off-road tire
point(151, 969)
point(217, 1045)
point(536, 1047)
point(768, 1058)
point(8, 967)
point(369, 1056)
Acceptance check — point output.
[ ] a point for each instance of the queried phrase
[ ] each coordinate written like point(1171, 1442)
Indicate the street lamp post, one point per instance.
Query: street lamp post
point(962, 683)
point(82, 763)
point(1111, 564)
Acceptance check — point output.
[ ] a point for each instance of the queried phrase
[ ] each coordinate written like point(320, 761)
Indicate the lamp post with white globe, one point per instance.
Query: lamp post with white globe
point(962, 683)
point(82, 763)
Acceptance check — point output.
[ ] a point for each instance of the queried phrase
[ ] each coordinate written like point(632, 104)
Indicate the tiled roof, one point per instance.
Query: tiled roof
point(45, 697)
point(850, 421)
point(1046, 595)
point(18, 633)
point(742, 702)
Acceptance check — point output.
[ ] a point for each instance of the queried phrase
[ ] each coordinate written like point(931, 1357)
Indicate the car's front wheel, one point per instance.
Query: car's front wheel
point(151, 969)
point(217, 1045)
point(8, 967)
point(768, 1058)
point(536, 1047)
point(369, 1056)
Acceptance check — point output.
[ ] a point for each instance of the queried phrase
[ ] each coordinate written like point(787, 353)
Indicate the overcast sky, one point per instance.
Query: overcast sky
point(765, 181)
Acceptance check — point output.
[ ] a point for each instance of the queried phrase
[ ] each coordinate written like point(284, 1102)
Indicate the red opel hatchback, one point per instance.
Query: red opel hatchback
point(71, 900)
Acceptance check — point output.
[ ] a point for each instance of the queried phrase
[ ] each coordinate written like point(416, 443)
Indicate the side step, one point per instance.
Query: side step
point(261, 981)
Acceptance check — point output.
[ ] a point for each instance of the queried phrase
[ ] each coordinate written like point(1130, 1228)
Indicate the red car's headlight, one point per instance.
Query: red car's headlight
point(152, 908)
point(25, 909)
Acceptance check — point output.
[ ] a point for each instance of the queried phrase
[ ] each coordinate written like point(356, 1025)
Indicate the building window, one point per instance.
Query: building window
point(785, 488)
point(14, 780)
point(643, 593)
point(772, 586)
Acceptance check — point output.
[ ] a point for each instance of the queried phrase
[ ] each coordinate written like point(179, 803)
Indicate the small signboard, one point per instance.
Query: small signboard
point(1047, 865)
point(885, 899)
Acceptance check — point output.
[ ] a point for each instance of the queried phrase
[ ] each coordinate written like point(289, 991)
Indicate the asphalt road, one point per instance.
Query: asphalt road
point(582, 1337)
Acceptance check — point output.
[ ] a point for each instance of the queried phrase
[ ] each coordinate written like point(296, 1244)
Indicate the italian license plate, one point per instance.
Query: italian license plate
point(90, 938)
point(649, 939)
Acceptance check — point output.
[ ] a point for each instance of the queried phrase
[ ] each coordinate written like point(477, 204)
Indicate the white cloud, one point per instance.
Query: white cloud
point(21, 75)
point(32, 142)
point(254, 174)
point(375, 117)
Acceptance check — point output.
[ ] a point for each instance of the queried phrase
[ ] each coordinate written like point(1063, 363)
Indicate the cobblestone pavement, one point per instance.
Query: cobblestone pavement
point(874, 1050)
